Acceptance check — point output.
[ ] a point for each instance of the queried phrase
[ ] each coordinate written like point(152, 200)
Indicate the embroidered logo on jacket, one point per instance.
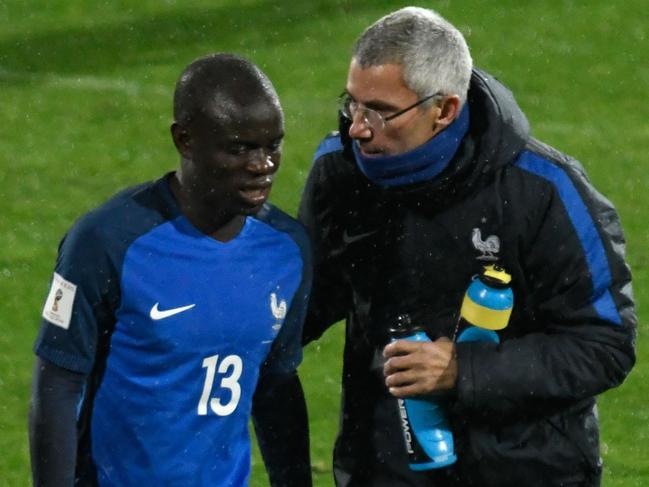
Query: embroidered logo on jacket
point(278, 310)
point(489, 246)
point(349, 239)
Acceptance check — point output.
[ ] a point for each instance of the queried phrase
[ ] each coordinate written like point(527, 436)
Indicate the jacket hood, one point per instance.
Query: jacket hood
point(498, 125)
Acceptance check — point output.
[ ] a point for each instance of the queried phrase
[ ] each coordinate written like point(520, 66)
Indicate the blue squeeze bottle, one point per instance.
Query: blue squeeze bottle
point(427, 435)
point(486, 307)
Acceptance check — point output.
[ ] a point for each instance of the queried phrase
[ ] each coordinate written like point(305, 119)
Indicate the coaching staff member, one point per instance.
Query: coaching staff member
point(433, 174)
point(176, 309)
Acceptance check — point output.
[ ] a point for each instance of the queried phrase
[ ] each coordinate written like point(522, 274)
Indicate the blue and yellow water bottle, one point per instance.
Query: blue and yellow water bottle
point(486, 307)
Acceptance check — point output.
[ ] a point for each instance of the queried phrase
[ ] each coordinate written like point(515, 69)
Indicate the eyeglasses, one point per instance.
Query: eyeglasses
point(373, 119)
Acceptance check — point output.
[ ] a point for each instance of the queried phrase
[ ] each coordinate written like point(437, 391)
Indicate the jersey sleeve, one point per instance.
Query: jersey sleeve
point(79, 307)
point(286, 353)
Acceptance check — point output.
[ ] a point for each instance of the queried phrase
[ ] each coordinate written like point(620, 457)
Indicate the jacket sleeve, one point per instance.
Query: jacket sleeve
point(581, 317)
point(330, 296)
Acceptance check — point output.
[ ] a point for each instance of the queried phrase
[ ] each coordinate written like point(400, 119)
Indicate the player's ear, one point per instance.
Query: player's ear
point(182, 140)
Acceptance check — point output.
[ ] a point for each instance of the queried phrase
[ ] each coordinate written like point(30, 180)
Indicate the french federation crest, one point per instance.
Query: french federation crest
point(278, 310)
point(489, 247)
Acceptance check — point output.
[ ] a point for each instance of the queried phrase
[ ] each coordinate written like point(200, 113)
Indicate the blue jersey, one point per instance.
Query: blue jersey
point(173, 329)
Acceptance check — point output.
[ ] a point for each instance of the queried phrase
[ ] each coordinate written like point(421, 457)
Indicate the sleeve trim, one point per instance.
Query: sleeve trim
point(328, 145)
point(585, 229)
point(62, 359)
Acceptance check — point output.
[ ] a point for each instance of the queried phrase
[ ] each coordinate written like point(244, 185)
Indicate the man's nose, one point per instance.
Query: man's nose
point(359, 129)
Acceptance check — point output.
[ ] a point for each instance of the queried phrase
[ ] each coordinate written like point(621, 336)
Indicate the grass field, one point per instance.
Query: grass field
point(85, 100)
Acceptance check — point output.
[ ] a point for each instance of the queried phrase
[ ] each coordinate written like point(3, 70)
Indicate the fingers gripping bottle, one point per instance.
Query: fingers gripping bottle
point(486, 307)
point(428, 437)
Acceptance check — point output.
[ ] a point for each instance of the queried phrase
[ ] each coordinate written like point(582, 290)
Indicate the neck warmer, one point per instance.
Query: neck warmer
point(419, 164)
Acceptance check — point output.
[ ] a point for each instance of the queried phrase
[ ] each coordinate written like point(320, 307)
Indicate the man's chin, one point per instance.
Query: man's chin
point(371, 152)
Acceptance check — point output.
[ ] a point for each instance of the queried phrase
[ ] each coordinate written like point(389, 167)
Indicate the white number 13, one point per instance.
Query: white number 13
point(230, 382)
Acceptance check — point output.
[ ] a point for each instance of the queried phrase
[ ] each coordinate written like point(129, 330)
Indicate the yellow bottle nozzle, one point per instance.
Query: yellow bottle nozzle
point(497, 273)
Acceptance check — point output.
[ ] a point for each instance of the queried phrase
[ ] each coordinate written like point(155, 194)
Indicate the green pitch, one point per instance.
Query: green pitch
point(85, 104)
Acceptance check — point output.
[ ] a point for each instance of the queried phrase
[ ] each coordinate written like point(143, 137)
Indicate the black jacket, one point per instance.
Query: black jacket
point(523, 412)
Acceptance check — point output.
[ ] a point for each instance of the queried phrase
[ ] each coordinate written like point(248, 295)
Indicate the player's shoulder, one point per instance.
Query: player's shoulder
point(279, 221)
point(127, 214)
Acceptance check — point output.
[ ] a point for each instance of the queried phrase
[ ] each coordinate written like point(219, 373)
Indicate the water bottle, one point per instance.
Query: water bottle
point(428, 437)
point(486, 307)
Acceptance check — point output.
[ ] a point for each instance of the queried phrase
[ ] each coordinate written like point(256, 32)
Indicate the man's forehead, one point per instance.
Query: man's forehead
point(382, 81)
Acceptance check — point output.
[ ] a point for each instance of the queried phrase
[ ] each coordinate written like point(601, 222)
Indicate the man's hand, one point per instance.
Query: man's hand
point(419, 368)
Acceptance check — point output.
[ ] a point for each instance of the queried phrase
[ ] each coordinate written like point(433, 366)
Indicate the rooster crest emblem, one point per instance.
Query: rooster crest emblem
point(278, 310)
point(488, 246)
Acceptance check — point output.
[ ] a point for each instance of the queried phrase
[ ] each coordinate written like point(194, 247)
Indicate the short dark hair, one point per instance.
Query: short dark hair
point(214, 84)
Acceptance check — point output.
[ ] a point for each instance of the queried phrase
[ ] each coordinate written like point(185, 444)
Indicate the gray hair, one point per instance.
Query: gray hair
point(432, 52)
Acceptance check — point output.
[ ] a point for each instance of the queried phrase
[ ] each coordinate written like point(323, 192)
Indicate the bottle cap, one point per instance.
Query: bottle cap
point(403, 326)
point(496, 275)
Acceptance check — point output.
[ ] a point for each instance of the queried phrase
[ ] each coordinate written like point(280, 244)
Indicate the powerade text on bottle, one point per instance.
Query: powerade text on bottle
point(486, 307)
point(428, 438)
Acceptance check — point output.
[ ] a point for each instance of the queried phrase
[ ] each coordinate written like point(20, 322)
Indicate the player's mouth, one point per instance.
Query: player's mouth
point(256, 193)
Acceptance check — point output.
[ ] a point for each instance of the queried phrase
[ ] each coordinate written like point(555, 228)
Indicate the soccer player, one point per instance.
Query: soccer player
point(175, 311)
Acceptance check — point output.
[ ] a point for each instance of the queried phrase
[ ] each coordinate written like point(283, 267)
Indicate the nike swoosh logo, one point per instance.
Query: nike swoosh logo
point(347, 238)
point(157, 314)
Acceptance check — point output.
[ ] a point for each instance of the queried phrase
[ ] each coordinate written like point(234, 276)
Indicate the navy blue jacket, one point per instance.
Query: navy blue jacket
point(523, 412)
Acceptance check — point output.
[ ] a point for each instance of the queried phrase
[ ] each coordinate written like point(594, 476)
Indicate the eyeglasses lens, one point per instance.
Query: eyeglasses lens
point(349, 108)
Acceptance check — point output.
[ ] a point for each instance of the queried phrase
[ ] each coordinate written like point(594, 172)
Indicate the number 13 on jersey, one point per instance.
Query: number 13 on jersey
point(231, 367)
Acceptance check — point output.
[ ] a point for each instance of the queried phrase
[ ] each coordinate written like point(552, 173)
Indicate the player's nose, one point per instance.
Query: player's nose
point(262, 163)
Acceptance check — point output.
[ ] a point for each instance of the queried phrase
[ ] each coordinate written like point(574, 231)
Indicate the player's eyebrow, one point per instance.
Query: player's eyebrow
point(236, 140)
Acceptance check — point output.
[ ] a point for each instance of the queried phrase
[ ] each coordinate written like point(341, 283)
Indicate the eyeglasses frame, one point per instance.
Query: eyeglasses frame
point(391, 117)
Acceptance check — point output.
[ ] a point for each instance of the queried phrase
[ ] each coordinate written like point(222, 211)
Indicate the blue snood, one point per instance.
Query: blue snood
point(420, 164)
